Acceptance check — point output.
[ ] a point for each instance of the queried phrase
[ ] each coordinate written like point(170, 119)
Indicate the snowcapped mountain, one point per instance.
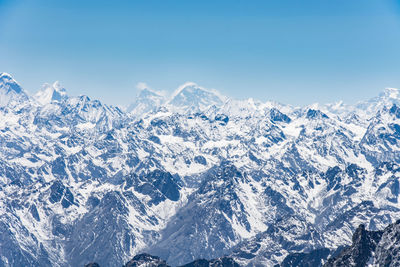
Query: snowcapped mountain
point(147, 260)
point(11, 93)
point(51, 93)
point(191, 97)
point(196, 176)
point(387, 98)
point(371, 248)
point(146, 101)
point(188, 98)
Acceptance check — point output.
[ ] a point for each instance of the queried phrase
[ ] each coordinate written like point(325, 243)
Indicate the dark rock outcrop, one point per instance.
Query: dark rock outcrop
point(311, 259)
point(220, 262)
point(148, 260)
point(376, 248)
point(360, 252)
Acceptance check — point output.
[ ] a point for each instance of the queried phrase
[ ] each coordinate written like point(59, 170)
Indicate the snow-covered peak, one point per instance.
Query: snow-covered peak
point(8, 84)
point(365, 109)
point(386, 99)
point(338, 108)
point(390, 93)
point(315, 114)
point(146, 101)
point(51, 93)
point(242, 108)
point(147, 93)
point(10, 90)
point(192, 97)
point(183, 87)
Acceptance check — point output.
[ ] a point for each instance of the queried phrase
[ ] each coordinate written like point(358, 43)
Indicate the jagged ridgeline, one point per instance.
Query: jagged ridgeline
point(369, 248)
point(147, 260)
point(192, 176)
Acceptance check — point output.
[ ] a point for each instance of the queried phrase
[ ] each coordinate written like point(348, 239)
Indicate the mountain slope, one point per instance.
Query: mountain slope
point(50, 93)
point(191, 97)
point(82, 181)
point(146, 101)
point(11, 93)
point(376, 248)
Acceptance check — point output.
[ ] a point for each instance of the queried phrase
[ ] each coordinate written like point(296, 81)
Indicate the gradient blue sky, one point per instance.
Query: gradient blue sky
point(296, 52)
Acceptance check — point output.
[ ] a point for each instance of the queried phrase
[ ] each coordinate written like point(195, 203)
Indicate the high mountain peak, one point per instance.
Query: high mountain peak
point(256, 176)
point(194, 97)
point(5, 75)
point(391, 93)
point(10, 90)
point(147, 92)
point(315, 114)
point(146, 100)
point(8, 84)
point(51, 93)
point(384, 100)
point(188, 86)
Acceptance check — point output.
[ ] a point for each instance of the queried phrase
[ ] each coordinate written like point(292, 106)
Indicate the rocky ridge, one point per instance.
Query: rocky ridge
point(82, 181)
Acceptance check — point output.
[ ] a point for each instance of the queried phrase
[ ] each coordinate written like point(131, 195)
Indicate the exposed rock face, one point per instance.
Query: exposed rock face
point(192, 177)
point(216, 202)
point(388, 251)
point(311, 259)
point(220, 262)
point(376, 248)
point(360, 252)
point(146, 260)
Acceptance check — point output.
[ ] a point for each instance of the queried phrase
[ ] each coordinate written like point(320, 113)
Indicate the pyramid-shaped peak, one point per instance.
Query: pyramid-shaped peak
point(5, 75)
point(195, 97)
point(315, 114)
point(8, 84)
point(190, 88)
point(147, 92)
point(51, 93)
point(146, 100)
point(11, 93)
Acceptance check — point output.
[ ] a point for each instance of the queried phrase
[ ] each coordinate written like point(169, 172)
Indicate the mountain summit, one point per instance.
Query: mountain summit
point(147, 100)
point(10, 90)
point(81, 181)
point(51, 93)
point(386, 99)
point(392, 93)
point(189, 97)
point(196, 98)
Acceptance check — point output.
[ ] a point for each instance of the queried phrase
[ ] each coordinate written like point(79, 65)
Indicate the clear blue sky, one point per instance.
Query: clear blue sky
point(296, 52)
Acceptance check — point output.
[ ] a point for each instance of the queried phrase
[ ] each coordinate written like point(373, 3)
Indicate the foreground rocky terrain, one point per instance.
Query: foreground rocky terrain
point(371, 248)
point(194, 175)
point(146, 260)
point(368, 248)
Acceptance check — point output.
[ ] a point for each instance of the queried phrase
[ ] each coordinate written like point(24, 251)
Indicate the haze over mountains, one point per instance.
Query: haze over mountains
point(193, 175)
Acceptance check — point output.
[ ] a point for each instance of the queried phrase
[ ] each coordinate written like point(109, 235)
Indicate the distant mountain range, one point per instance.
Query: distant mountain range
point(195, 175)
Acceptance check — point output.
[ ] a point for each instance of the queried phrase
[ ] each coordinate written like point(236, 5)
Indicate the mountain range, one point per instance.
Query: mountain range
point(194, 175)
